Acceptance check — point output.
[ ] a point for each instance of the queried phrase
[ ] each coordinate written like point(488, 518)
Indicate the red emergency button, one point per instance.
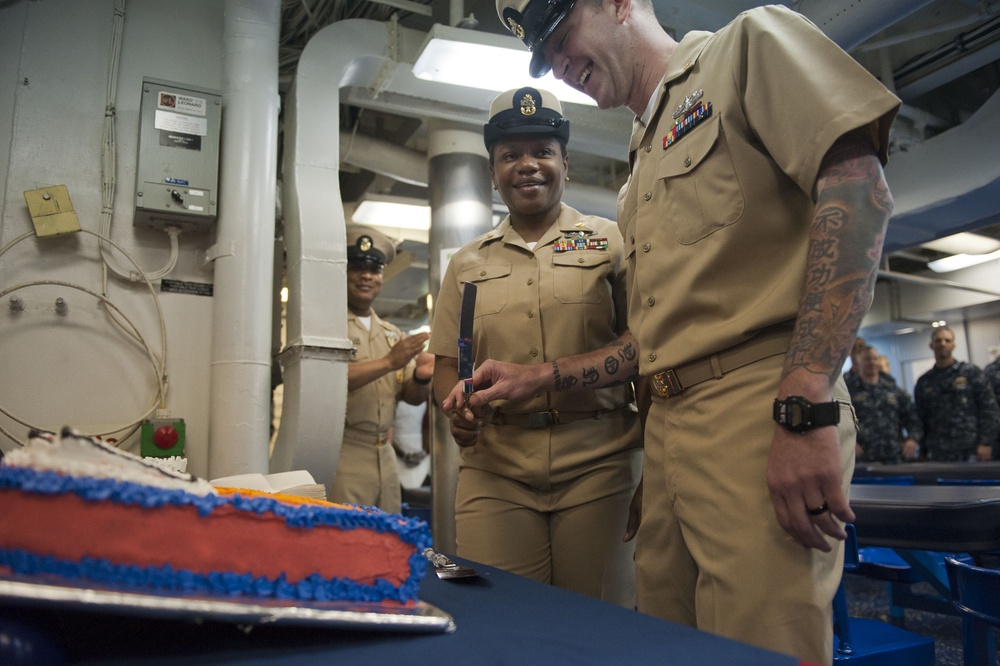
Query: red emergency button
point(165, 437)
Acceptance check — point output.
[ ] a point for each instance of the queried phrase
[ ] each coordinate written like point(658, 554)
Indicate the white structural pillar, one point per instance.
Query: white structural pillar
point(240, 396)
point(461, 209)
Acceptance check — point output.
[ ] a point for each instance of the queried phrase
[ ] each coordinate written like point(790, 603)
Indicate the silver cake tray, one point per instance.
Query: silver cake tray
point(57, 594)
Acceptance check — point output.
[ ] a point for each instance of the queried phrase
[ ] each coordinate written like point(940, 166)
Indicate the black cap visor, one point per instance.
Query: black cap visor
point(540, 19)
point(372, 260)
point(500, 128)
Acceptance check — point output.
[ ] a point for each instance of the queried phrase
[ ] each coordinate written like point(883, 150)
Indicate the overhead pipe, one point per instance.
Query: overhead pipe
point(314, 361)
point(935, 282)
point(849, 23)
point(410, 166)
point(240, 391)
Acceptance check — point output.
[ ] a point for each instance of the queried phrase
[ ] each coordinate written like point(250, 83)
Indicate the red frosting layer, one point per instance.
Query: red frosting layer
point(70, 528)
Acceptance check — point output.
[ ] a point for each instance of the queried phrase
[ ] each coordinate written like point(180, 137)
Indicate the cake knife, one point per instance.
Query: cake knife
point(445, 568)
point(466, 354)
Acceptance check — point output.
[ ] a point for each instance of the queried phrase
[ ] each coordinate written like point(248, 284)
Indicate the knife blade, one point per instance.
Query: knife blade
point(466, 357)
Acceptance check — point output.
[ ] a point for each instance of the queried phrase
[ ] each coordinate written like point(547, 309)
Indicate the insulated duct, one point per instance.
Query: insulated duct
point(851, 23)
point(949, 183)
point(314, 361)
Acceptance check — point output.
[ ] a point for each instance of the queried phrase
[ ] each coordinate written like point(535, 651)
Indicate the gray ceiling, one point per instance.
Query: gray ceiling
point(942, 57)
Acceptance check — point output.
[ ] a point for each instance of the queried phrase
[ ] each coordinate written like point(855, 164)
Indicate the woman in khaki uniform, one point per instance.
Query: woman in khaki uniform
point(544, 487)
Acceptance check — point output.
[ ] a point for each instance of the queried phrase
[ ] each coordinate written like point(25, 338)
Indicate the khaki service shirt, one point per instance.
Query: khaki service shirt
point(535, 306)
point(716, 225)
point(372, 407)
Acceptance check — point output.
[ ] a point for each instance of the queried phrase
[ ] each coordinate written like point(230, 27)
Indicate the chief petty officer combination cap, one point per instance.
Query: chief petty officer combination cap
point(525, 111)
point(368, 247)
point(534, 21)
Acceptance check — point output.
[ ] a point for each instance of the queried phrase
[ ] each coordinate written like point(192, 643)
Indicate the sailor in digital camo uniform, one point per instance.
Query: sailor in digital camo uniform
point(386, 367)
point(544, 488)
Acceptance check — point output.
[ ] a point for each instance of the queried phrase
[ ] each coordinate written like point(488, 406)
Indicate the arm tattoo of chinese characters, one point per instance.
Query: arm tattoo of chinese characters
point(591, 370)
point(845, 245)
point(559, 382)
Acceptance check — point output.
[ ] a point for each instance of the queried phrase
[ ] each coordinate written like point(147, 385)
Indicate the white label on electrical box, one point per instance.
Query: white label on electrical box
point(175, 122)
point(198, 209)
point(182, 103)
point(196, 193)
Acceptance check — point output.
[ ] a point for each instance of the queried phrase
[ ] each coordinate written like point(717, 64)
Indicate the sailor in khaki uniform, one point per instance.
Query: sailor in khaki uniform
point(386, 367)
point(753, 222)
point(544, 489)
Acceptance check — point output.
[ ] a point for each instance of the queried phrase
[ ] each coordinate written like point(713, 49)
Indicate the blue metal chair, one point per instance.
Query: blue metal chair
point(975, 591)
point(867, 642)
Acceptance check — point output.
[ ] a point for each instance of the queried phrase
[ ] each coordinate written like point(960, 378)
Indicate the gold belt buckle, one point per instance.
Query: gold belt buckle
point(381, 439)
point(666, 384)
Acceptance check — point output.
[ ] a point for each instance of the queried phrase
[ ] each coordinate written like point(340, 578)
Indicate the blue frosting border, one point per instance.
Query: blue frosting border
point(165, 578)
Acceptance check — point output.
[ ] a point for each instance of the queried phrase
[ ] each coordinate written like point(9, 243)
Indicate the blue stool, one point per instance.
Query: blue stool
point(868, 642)
point(975, 591)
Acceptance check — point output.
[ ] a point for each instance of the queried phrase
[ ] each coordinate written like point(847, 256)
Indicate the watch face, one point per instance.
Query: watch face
point(795, 414)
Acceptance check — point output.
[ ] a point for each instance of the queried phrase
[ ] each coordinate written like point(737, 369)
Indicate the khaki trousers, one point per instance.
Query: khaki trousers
point(367, 473)
point(569, 536)
point(710, 553)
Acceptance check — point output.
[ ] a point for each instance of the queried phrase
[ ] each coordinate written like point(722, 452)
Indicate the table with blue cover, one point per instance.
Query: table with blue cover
point(930, 472)
point(501, 618)
point(920, 520)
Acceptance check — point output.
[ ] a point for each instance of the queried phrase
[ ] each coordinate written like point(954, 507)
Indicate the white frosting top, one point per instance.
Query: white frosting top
point(74, 454)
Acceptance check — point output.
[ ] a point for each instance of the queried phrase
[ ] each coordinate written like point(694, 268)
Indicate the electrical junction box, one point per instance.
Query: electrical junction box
point(177, 173)
point(52, 211)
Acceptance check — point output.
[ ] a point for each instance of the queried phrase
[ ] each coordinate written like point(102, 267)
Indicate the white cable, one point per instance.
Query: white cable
point(161, 389)
point(158, 361)
point(109, 149)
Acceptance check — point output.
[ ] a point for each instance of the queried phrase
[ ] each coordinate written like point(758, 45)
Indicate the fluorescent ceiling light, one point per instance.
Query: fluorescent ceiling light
point(964, 243)
point(957, 261)
point(393, 214)
point(486, 61)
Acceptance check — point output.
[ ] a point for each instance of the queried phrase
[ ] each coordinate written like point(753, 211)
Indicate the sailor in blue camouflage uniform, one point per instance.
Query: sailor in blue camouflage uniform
point(956, 406)
point(992, 373)
point(885, 412)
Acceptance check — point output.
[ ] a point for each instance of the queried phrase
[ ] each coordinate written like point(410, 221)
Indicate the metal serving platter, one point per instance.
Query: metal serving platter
point(57, 594)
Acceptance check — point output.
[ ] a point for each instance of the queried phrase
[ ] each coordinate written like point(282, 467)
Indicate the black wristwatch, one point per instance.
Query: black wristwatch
point(799, 415)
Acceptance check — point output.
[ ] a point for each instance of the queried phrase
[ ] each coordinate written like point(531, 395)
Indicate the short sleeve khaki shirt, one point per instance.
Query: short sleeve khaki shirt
point(372, 407)
point(718, 207)
point(535, 306)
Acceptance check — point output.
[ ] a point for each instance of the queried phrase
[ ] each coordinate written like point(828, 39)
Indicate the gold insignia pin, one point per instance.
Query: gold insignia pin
point(365, 244)
point(527, 105)
point(516, 28)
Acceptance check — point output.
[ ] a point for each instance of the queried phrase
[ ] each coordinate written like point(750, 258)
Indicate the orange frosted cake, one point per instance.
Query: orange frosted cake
point(79, 509)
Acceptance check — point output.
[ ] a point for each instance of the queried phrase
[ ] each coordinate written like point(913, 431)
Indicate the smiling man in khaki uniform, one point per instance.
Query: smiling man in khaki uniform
point(386, 367)
point(753, 222)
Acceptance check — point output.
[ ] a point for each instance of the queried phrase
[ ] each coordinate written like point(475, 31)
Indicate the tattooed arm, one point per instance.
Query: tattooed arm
point(613, 364)
point(853, 205)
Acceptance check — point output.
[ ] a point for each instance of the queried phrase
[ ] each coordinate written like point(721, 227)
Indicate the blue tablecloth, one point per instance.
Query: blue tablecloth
point(501, 619)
